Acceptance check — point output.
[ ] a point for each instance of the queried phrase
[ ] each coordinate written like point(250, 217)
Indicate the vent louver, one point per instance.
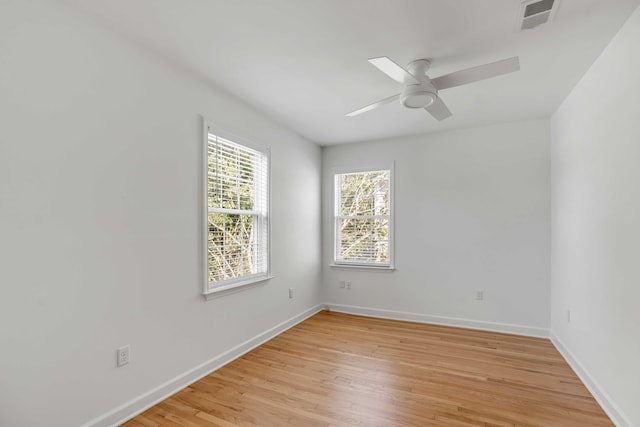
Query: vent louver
point(536, 13)
point(538, 7)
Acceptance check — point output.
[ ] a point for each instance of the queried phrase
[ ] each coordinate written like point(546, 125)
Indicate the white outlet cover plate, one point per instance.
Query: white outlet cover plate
point(123, 355)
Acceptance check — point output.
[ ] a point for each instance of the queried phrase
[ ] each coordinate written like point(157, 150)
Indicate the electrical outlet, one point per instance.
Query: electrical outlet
point(342, 284)
point(123, 355)
point(479, 295)
point(290, 293)
point(349, 285)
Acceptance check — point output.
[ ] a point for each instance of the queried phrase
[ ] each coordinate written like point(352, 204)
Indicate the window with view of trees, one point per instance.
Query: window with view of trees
point(363, 225)
point(237, 214)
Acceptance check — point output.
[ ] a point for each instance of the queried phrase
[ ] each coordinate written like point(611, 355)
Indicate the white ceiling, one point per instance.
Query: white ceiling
point(304, 62)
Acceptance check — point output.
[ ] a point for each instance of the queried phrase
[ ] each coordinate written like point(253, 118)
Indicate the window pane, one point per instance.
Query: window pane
point(237, 212)
point(365, 193)
point(231, 246)
point(231, 177)
point(364, 240)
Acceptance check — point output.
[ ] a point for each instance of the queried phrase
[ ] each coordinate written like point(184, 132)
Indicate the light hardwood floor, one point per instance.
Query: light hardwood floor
point(341, 370)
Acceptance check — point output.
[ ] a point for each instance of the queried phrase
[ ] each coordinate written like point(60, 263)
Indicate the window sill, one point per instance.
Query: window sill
point(364, 267)
point(232, 288)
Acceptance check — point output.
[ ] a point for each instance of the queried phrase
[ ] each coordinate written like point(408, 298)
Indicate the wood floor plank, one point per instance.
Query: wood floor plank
point(340, 370)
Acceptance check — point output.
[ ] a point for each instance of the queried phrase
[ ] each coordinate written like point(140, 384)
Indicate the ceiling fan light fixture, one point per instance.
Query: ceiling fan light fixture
point(415, 97)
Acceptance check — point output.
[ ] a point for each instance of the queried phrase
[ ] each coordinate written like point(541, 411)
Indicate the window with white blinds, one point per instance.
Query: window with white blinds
point(237, 203)
point(363, 218)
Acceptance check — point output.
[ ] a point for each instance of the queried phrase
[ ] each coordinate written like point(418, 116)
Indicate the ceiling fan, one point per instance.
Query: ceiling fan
point(422, 92)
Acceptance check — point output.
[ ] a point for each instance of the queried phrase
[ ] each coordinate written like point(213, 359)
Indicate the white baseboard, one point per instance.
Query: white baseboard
point(616, 415)
point(140, 404)
point(441, 320)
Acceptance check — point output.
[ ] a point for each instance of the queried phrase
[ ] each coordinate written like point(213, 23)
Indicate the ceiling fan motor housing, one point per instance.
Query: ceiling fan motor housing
point(422, 94)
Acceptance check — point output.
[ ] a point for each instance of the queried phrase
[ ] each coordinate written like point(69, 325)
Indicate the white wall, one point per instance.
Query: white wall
point(100, 220)
point(472, 212)
point(595, 224)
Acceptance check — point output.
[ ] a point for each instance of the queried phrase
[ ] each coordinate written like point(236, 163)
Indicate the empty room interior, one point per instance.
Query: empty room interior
point(319, 213)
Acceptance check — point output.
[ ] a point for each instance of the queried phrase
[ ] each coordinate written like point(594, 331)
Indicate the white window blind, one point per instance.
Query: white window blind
point(237, 213)
point(363, 208)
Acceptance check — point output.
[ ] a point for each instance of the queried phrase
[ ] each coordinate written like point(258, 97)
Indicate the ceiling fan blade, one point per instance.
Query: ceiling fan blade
point(438, 109)
point(374, 105)
point(393, 70)
point(474, 74)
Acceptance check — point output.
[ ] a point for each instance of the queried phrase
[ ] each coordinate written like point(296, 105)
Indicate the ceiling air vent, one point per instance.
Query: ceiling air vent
point(537, 12)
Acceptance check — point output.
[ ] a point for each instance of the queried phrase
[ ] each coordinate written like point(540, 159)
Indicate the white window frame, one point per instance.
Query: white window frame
point(229, 286)
point(340, 170)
